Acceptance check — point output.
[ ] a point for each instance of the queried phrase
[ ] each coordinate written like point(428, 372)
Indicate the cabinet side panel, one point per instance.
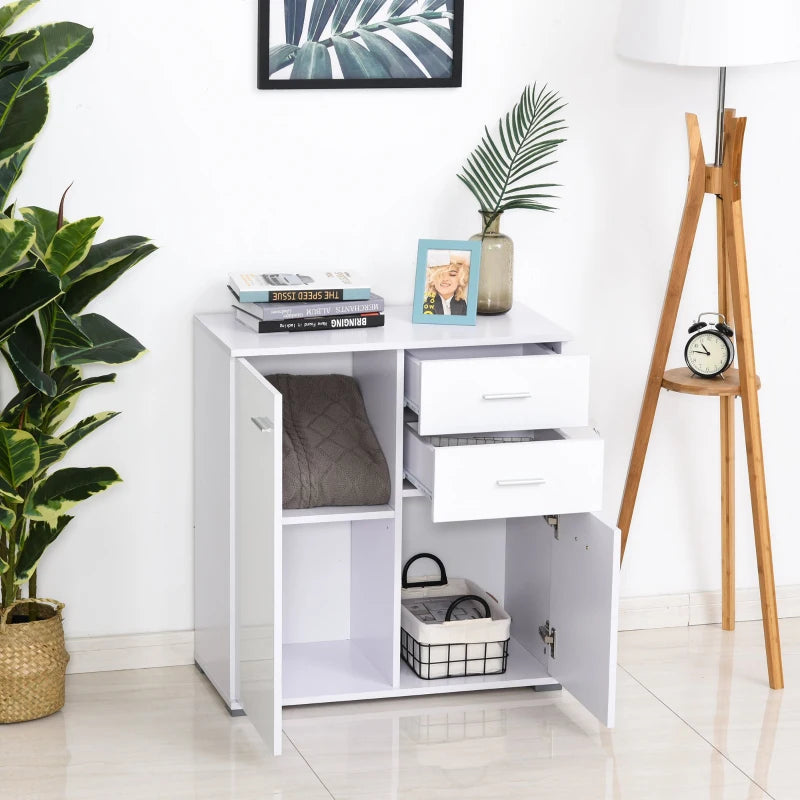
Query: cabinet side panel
point(373, 609)
point(213, 579)
point(378, 376)
point(529, 542)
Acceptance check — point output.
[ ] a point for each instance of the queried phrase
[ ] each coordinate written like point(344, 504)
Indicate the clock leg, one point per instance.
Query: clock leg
point(680, 264)
point(726, 436)
point(734, 234)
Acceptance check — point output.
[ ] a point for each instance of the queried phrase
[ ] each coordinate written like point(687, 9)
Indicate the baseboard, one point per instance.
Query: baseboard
point(699, 608)
point(176, 648)
point(136, 651)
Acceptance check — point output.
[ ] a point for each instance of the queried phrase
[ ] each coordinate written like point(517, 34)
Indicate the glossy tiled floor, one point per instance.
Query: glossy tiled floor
point(695, 719)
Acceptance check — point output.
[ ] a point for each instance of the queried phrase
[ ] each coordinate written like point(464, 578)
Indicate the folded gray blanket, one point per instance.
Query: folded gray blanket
point(330, 454)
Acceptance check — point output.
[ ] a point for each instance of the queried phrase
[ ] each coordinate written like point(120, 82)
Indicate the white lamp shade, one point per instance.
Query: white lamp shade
point(710, 33)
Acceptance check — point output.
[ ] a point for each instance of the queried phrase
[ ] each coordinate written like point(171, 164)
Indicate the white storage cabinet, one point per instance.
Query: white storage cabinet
point(303, 606)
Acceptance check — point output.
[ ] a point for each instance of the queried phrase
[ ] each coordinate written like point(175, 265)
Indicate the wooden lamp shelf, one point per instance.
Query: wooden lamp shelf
point(682, 379)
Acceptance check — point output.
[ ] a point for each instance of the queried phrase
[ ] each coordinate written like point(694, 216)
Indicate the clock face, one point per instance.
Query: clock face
point(708, 353)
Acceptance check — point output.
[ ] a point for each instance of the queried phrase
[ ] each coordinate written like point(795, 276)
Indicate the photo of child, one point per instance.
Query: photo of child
point(446, 282)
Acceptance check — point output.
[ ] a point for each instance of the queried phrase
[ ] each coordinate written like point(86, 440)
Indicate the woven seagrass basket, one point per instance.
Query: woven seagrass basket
point(33, 661)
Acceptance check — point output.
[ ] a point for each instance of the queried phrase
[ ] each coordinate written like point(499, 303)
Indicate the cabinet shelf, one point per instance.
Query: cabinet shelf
point(305, 516)
point(523, 670)
point(325, 672)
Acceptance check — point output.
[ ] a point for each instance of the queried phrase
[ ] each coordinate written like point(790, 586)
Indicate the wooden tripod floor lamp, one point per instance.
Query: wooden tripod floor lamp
point(715, 33)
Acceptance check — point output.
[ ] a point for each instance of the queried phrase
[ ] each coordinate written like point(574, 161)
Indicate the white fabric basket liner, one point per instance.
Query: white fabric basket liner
point(468, 631)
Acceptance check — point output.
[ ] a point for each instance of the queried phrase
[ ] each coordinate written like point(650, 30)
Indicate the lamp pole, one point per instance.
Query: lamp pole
point(720, 117)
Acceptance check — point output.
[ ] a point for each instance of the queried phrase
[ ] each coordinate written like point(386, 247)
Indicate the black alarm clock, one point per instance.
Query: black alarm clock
point(709, 351)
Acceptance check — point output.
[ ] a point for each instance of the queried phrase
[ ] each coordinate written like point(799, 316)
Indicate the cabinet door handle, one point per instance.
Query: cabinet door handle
point(522, 482)
point(507, 396)
point(264, 424)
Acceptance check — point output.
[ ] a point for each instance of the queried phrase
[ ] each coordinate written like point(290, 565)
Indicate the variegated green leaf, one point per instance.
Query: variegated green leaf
point(66, 488)
point(22, 294)
point(7, 519)
point(19, 456)
point(313, 61)
point(11, 43)
point(3, 566)
point(62, 330)
point(398, 64)
point(83, 291)
point(11, 11)
point(10, 172)
point(105, 254)
point(57, 46)
point(356, 61)
point(109, 344)
point(40, 536)
point(86, 426)
point(7, 493)
point(16, 238)
point(71, 244)
point(51, 450)
point(341, 16)
point(21, 115)
point(45, 223)
point(25, 351)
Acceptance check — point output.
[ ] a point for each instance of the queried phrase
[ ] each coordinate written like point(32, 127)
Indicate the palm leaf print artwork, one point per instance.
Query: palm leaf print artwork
point(389, 41)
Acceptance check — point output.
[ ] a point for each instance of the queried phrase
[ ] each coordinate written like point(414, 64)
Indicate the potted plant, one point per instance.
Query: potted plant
point(498, 173)
point(50, 269)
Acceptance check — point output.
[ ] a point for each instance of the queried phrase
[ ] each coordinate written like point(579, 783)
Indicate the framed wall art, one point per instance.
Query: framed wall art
point(446, 289)
point(346, 44)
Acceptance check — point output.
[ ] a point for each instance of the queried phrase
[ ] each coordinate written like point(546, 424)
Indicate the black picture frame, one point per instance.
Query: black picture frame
point(384, 53)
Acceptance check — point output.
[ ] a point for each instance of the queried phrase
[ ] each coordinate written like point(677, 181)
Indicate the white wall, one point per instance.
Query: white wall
point(163, 132)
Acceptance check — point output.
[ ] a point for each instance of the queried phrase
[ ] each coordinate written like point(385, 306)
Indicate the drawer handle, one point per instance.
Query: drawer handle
point(522, 482)
point(264, 424)
point(507, 396)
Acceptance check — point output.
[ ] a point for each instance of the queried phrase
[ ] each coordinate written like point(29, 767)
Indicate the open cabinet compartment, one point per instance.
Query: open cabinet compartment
point(543, 574)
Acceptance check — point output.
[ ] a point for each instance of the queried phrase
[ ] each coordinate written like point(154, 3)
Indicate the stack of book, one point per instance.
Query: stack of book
point(316, 301)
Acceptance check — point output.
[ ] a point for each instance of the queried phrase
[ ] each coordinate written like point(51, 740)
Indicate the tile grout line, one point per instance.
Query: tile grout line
point(692, 728)
point(313, 771)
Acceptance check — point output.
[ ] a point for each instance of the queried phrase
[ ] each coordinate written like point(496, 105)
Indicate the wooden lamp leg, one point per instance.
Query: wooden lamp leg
point(680, 264)
point(734, 234)
point(727, 406)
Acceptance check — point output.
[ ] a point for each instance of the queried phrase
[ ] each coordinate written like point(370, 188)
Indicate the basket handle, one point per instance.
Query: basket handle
point(442, 573)
point(458, 600)
point(5, 612)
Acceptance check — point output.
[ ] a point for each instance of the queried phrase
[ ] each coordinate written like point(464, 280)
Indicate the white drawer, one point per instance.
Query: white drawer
point(480, 391)
point(560, 472)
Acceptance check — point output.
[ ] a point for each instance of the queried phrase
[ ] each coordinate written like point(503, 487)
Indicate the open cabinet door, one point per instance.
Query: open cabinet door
point(584, 605)
point(259, 424)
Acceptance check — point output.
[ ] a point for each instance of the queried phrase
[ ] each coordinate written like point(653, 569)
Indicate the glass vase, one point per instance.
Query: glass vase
point(496, 285)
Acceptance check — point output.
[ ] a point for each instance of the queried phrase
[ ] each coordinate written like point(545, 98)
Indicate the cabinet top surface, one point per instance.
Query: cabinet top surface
point(521, 325)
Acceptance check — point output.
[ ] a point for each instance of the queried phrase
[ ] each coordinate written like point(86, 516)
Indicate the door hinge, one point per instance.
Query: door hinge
point(548, 636)
point(552, 521)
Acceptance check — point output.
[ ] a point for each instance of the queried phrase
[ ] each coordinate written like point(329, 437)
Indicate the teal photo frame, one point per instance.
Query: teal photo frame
point(446, 288)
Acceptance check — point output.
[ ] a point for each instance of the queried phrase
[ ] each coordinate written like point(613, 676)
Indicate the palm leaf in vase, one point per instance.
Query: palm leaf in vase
point(498, 171)
point(366, 39)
